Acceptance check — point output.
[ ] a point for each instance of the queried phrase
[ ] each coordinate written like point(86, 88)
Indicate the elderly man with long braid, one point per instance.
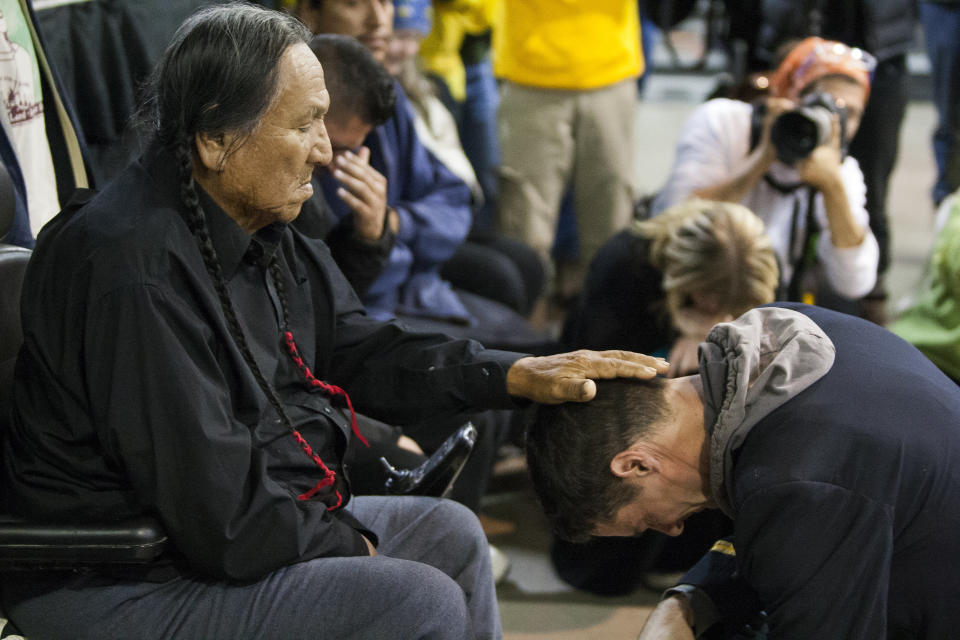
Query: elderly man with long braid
point(190, 354)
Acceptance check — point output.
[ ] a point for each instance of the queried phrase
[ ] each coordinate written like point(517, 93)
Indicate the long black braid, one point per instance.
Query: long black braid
point(218, 76)
point(197, 222)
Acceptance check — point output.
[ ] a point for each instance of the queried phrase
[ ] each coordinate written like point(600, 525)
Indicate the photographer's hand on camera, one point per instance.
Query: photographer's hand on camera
point(821, 170)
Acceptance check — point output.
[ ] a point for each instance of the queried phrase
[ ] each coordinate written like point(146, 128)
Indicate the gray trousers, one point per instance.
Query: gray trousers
point(432, 579)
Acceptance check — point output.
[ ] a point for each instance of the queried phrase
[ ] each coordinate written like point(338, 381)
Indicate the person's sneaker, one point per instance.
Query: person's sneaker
point(500, 564)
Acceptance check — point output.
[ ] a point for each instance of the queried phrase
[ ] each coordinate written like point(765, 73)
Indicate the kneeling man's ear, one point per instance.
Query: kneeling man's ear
point(634, 462)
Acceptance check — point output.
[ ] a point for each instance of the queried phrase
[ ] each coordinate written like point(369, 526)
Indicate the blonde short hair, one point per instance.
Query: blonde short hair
point(718, 247)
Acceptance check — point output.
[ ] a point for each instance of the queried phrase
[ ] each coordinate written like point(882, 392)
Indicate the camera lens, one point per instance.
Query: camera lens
point(797, 133)
point(794, 136)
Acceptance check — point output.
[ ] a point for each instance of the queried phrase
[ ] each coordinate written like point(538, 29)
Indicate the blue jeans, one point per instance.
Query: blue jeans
point(941, 23)
point(478, 135)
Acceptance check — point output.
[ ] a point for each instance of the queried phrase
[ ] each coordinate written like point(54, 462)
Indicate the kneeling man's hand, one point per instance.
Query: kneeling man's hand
point(670, 620)
point(569, 377)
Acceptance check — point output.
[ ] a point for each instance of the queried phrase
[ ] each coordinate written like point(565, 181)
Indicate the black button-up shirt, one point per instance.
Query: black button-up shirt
point(131, 394)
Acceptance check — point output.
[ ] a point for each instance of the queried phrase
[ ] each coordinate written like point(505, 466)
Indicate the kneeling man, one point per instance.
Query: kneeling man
point(832, 444)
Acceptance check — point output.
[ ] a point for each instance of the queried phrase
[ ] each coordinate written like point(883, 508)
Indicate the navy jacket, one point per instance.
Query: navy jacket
point(846, 497)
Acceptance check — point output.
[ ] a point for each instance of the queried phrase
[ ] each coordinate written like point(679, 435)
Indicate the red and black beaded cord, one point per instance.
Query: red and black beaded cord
point(329, 476)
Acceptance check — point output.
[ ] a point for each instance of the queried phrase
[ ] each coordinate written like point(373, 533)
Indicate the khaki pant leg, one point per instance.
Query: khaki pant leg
point(603, 173)
point(535, 130)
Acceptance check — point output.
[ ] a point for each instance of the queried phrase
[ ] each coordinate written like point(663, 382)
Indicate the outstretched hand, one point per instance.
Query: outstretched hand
point(569, 377)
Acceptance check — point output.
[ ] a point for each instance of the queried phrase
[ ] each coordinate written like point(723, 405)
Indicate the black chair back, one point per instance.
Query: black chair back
point(13, 266)
point(8, 202)
point(54, 545)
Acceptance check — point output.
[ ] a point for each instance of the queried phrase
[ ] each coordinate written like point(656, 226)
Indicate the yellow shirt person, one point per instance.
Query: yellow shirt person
point(567, 44)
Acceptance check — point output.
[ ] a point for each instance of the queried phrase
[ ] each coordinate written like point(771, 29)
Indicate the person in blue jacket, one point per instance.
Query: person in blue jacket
point(831, 443)
point(433, 207)
point(429, 207)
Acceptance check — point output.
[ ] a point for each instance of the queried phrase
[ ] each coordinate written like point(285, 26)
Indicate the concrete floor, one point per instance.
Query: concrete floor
point(535, 603)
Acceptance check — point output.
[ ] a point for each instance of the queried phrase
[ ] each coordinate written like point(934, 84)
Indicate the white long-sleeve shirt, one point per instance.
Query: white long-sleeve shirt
point(714, 144)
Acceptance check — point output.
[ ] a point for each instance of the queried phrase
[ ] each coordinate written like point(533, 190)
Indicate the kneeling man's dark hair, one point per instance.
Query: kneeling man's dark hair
point(570, 446)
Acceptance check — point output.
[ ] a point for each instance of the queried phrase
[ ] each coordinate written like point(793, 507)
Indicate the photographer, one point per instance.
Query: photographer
point(801, 183)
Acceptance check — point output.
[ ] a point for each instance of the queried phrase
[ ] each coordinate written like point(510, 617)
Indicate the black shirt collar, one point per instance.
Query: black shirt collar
point(233, 244)
point(230, 241)
point(264, 244)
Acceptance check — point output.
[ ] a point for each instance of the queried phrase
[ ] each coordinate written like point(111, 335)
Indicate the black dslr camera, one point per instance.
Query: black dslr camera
point(795, 134)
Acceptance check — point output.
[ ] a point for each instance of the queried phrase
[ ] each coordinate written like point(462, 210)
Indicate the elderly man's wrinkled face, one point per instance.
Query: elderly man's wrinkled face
point(267, 178)
point(369, 21)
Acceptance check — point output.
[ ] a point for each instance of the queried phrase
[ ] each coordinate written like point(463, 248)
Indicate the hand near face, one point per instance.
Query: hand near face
point(684, 356)
point(364, 190)
point(569, 377)
point(693, 324)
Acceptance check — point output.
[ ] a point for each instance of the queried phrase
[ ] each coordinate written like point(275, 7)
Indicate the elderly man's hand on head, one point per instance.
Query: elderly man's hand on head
point(569, 377)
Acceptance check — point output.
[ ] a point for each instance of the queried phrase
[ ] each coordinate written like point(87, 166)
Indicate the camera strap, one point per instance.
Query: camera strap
point(802, 252)
point(756, 122)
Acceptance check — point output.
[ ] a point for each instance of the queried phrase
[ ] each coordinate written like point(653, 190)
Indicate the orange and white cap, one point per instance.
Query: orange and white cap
point(814, 58)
